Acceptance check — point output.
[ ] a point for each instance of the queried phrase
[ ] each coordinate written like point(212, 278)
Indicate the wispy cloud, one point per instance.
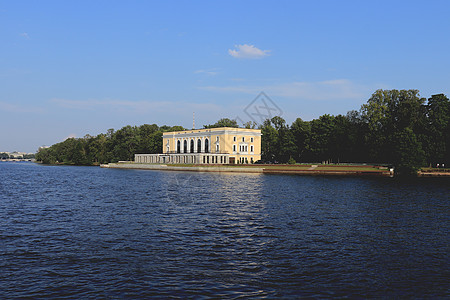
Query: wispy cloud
point(136, 107)
point(248, 52)
point(323, 90)
point(95, 104)
point(18, 108)
point(25, 35)
point(209, 72)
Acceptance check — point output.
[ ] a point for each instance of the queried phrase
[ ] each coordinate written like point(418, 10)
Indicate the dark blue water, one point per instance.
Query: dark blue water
point(86, 232)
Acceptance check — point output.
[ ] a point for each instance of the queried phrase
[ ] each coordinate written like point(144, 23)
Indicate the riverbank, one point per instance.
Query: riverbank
point(193, 168)
point(337, 170)
point(433, 174)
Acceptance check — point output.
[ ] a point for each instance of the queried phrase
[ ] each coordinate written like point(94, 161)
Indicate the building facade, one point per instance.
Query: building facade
point(224, 145)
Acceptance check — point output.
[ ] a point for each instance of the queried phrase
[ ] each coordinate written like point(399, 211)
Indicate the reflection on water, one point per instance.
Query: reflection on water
point(84, 232)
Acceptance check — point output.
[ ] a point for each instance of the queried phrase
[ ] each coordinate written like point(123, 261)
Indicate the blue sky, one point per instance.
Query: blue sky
point(70, 68)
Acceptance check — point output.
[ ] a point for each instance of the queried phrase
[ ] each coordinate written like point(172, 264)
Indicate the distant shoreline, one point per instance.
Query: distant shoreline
point(18, 160)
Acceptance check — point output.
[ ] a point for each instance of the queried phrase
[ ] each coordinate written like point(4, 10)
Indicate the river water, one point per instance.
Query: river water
point(87, 232)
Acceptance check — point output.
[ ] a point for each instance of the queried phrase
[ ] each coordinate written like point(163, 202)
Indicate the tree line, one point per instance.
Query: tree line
point(395, 127)
point(112, 146)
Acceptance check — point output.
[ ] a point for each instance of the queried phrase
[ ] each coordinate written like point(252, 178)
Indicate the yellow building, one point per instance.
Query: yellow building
point(208, 146)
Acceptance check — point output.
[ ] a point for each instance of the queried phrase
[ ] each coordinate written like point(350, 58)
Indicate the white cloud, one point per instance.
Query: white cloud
point(248, 52)
point(70, 136)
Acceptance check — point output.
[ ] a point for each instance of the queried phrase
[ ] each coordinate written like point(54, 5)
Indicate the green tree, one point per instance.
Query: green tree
point(224, 122)
point(46, 156)
point(408, 155)
point(250, 125)
point(174, 128)
point(437, 132)
point(301, 131)
point(285, 144)
point(321, 137)
point(268, 141)
point(125, 142)
point(387, 113)
point(146, 133)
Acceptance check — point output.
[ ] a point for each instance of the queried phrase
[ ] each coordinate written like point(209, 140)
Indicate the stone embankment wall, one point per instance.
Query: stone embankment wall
point(130, 165)
point(250, 169)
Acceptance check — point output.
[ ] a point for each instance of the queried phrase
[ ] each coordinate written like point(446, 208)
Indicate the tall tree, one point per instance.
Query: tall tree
point(321, 137)
point(268, 141)
point(386, 113)
point(408, 155)
point(438, 129)
point(301, 131)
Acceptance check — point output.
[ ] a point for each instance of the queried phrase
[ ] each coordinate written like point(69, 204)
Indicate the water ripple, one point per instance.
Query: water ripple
point(81, 232)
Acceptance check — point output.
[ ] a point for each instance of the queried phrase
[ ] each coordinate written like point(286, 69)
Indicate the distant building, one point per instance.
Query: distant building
point(224, 145)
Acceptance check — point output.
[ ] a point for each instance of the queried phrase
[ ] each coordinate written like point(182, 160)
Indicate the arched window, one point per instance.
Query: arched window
point(185, 148)
point(199, 146)
point(192, 146)
point(217, 148)
point(206, 146)
point(178, 146)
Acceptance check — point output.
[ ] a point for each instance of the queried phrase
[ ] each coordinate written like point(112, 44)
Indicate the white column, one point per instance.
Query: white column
point(203, 145)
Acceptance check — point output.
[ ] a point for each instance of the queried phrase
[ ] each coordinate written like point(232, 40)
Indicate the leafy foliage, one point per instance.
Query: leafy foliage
point(110, 147)
point(224, 122)
point(393, 127)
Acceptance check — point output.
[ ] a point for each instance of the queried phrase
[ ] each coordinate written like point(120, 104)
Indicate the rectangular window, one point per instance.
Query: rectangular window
point(234, 148)
point(234, 139)
point(251, 148)
point(243, 139)
point(251, 140)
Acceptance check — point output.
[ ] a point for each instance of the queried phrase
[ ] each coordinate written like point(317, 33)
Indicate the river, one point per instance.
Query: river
point(87, 232)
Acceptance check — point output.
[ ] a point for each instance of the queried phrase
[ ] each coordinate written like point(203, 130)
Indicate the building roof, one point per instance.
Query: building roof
point(212, 130)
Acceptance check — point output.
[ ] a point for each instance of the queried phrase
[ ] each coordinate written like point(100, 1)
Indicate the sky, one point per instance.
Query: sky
point(71, 68)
